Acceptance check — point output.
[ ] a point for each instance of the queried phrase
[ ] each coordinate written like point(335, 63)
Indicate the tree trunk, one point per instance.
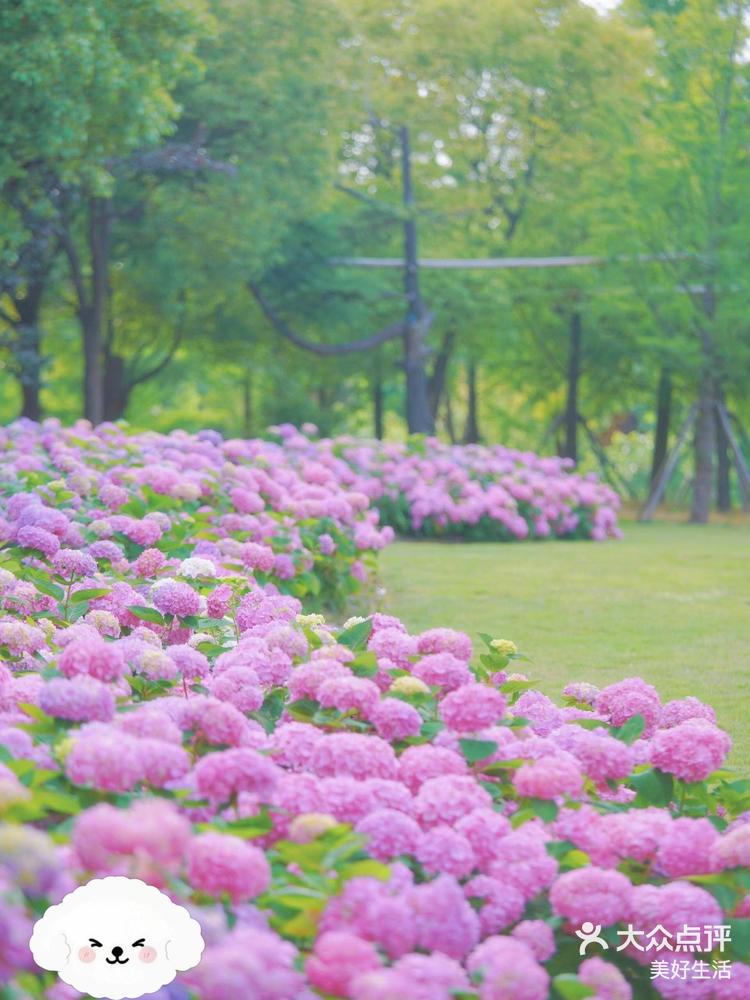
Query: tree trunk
point(28, 352)
point(377, 406)
point(92, 315)
point(705, 435)
point(436, 382)
point(705, 428)
point(471, 429)
point(723, 463)
point(449, 424)
point(663, 418)
point(570, 448)
point(116, 388)
point(419, 417)
point(247, 404)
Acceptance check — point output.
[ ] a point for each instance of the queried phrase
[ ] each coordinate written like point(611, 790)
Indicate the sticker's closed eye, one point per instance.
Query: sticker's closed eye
point(139, 943)
point(95, 944)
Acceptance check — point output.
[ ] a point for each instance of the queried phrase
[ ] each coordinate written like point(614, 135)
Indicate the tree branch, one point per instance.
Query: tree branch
point(381, 206)
point(76, 272)
point(153, 372)
point(325, 350)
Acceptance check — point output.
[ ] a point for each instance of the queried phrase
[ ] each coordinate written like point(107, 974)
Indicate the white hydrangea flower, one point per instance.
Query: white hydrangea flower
point(195, 567)
point(350, 622)
point(198, 637)
point(311, 620)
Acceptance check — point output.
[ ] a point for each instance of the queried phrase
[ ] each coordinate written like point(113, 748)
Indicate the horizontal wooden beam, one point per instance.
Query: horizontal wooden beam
point(497, 263)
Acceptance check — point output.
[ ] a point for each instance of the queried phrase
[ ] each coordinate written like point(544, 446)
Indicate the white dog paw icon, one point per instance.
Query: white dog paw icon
point(116, 938)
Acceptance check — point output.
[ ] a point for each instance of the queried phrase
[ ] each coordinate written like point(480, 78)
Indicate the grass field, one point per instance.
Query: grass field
point(670, 602)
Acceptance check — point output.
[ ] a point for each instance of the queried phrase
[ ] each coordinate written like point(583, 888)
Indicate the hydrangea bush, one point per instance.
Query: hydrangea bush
point(349, 811)
point(474, 492)
point(176, 511)
point(353, 812)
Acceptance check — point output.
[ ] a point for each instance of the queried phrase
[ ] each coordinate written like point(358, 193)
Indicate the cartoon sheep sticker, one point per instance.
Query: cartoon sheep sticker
point(116, 938)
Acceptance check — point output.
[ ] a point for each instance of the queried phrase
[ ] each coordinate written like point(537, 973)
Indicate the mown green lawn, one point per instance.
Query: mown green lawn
point(670, 602)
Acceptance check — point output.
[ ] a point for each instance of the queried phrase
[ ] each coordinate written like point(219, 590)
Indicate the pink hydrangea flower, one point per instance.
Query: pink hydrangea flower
point(239, 686)
point(686, 848)
point(509, 971)
point(218, 601)
point(212, 720)
point(690, 750)
point(150, 829)
point(70, 563)
point(162, 763)
point(447, 798)
point(248, 961)
point(522, 860)
point(149, 562)
point(389, 833)
point(113, 496)
point(109, 551)
point(21, 638)
point(306, 679)
point(292, 743)
point(413, 977)
point(419, 763)
point(349, 694)
point(191, 663)
point(176, 598)
point(682, 709)
point(543, 715)
point(40, 539)
point(144, 532)
point(95, 657)
point(592, 894)
point(445, 640)
point(105, 758)
point(483, 828)
point(219, 863)
point(550, 777)
point(602, 757)
point(395, 720)
point(675, 906)
point(387, 794)
point(732, 849)
point(581, 691)
point(442, 670)
point(737, 987)
point(502, 904)
point(337, 959)
point(353, 754)
point(80, 699)
point(605, 978)
point(633, 696)
point(444, 918)
point(225, 773)
point(442, 849)
point(538, 935)
point(472, 707)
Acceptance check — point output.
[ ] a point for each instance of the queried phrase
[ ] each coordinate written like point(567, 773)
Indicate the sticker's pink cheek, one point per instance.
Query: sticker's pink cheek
point(147, 954)
point(87, 954)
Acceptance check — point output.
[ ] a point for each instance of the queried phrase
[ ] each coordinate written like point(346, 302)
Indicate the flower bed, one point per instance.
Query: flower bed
point(359, 812)
point(137, 507)
point(348, 811)
point(471, 492)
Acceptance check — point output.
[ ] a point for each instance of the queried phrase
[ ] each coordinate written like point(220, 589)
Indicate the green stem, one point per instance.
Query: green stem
point(683, 795)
